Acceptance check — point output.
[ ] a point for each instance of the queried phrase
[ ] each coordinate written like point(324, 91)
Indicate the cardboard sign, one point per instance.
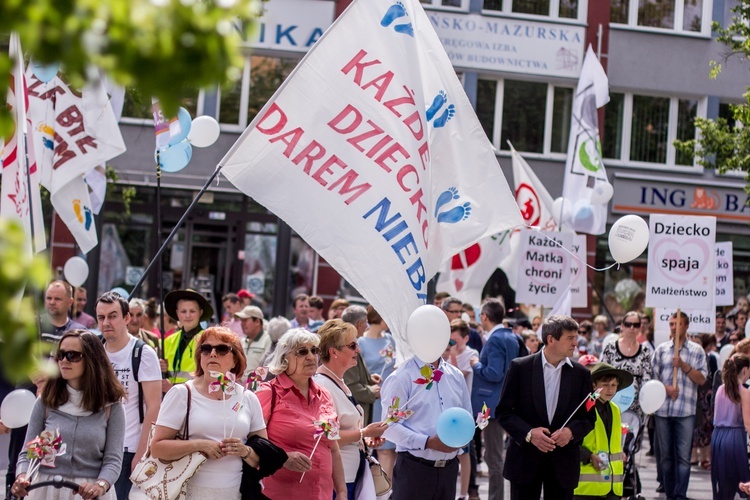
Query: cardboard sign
point(724, 274)
point(544, 267)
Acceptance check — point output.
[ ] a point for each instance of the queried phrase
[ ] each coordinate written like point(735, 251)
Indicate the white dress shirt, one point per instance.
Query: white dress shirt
point(552, 382)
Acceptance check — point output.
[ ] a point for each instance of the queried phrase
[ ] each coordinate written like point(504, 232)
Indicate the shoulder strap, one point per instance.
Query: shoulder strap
point(186, 435)
point(350, 397)
point(135, 362)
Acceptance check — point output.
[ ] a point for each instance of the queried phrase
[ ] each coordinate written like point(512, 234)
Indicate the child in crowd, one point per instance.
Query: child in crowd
point(601, 451)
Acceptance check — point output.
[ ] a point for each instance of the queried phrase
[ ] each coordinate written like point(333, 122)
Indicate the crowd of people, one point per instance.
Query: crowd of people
point(301, 406)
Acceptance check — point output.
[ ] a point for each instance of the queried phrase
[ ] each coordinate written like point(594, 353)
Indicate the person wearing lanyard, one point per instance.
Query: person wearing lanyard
point(189, 308)
point(426, 468)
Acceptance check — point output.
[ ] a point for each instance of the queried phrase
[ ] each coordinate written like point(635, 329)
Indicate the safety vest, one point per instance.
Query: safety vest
point(180, 371)
point(591, 481)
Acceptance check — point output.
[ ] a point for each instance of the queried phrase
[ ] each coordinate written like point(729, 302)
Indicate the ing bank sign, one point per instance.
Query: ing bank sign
point(726, 201)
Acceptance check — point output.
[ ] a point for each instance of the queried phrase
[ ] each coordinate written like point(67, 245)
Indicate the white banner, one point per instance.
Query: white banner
point(466, 273)
point(724, 274)
point(372, 152)
point(544, 268)
point(681, 262)
point(700, 321)
point(578, 273)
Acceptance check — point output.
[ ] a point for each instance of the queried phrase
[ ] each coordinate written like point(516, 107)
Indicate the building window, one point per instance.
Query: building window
point(642, 129)
point(688, 16)
point(558, 9)
point(451, 4)
point(534, 117)
point(137, 106)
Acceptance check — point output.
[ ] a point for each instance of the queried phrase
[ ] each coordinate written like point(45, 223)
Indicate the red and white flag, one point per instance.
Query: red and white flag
point(75, 132)
point(373, 153)
point(20, 198)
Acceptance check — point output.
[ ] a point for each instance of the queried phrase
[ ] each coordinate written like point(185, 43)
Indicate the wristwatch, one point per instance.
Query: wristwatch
point(528, 437)
point(103, 484)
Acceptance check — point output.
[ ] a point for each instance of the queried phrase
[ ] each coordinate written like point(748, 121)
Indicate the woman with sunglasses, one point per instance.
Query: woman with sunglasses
point(220, 420)
point(338, 353)
point(84, 404)
point(292, 404)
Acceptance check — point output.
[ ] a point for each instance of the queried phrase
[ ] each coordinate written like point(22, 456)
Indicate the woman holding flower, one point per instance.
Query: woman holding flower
point(83, 407)
point(222, 416)
point(301, 419)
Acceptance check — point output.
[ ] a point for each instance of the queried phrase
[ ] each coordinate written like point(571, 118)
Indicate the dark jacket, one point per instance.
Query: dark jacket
point(523, 407)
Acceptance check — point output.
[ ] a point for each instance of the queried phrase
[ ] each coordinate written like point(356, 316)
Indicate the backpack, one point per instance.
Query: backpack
point(135, 362)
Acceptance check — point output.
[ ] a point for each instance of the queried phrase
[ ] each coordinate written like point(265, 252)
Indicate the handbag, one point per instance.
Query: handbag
point(167, 479)
point(381, 480)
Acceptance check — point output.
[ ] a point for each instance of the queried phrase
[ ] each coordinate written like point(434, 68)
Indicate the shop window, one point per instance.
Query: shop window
point(687, 16)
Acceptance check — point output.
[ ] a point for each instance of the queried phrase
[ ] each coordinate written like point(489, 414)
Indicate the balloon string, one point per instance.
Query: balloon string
point(558, 244)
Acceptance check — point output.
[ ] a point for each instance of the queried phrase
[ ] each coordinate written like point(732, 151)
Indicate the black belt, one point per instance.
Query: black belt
point(424, 461)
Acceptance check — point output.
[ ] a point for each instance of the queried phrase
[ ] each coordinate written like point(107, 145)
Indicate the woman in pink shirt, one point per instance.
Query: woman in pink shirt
point(291, 403)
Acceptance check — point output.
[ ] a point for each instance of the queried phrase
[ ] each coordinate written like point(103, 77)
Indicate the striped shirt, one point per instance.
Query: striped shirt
point(692, 354)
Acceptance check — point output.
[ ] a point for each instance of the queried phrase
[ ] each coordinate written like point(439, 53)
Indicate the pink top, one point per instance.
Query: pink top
point(292, 429)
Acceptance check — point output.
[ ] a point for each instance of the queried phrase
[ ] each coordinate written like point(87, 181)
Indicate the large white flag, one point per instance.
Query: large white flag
point(584, 167)
point(466, 273)
point(75, 132)
point(372, 152)
point(19, 195)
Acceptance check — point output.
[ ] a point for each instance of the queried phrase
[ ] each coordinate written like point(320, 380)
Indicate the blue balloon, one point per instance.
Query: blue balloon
point(185, 123)
point(175, 158)
point(45, 72)
point(624, 398)
point(121, 292)
point(455, 427)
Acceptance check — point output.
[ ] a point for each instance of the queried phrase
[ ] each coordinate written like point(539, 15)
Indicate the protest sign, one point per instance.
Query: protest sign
point(578, 289)
point(724, 274)
point(701, 321)
point(544, 267)
point(681, 263)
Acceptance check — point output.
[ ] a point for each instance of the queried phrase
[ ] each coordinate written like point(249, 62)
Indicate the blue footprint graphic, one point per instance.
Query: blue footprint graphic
point(406, 29)
point(89, 218)
point(456, 214)
point(446, 196)
point(447, 115)
point(437, 103)
point(394, 12)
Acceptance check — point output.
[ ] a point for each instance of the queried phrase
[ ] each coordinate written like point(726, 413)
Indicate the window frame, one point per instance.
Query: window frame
point(435, 5)
point(554, 6)
point(679, 15)
point(129, 120)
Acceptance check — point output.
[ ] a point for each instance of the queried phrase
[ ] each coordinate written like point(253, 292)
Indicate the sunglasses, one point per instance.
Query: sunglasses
point(627, 324)
point(353, 346)
point(221, 349)
point(304, 351)
point(71, 356)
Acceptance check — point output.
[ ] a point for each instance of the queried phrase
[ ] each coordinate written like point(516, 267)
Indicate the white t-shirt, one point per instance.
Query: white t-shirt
point(208, 419)
point(465, 366)
point(349, 418)
point(148, 371)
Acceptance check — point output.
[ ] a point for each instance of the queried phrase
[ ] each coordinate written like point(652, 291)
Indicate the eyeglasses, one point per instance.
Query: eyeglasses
point(458, 311)
point(71, 356)
point(221, 349)
point(304, 351)
point(583, 332)
point(353, 346)
point(628, 324)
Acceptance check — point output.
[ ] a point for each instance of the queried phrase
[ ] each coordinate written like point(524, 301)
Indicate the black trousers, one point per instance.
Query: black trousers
point(544, 478)
point(417, 481)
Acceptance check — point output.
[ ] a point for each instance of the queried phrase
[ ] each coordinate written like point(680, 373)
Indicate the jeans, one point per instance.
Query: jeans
point(123, 483)
point(675, 438)
point(494, 444)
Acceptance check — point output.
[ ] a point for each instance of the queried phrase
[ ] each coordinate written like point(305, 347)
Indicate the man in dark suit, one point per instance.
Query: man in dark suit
point(540, 392)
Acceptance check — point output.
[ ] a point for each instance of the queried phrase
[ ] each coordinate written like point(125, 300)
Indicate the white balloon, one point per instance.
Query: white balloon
point(567, 210)
point(628, 238)
point(724, 354)
point(15, 411)
point(652, 396)
point(428, 331)
point(203, 132)
point(603, 192)
point(76, 271)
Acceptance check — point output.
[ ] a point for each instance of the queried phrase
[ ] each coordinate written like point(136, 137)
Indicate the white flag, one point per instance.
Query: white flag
point(20, 198)
point(466, 273)
point(75, 132)
point(372, 152)
point(584, 167)
point(563, 306)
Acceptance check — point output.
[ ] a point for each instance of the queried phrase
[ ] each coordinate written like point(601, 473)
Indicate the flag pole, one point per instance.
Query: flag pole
point(160, 272)
point(676, 346)
point(176, 228)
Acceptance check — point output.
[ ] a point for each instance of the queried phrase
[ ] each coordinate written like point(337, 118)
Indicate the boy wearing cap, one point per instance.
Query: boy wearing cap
point(601, 451)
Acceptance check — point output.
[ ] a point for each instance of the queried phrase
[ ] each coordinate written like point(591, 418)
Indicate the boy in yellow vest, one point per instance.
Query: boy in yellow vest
point(601, 451)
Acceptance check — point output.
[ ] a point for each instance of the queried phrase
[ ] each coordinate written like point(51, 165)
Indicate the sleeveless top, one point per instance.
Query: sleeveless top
point(726, 413)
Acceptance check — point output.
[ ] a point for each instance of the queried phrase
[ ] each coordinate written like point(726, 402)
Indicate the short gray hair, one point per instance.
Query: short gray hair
point(277, 327)
point(354, 314)
point(289, 342)
point(136, 302)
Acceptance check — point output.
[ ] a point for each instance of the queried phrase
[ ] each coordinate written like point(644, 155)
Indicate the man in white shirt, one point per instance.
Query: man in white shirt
point(113, 315)
point(255, 342)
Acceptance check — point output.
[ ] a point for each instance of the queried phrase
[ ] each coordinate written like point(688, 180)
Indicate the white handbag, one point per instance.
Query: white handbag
point(167, 479)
